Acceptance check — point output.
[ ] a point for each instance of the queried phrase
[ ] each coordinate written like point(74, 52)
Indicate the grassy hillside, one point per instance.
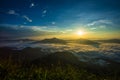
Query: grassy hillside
point(15, 65)
point(17, 71)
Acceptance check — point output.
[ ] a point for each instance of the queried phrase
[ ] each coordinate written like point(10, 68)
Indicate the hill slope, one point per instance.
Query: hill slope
point(62, 58)
point(52, 40)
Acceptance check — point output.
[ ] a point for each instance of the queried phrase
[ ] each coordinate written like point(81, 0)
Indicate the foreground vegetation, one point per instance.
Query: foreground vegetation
point(27, 64)
point(10, 70)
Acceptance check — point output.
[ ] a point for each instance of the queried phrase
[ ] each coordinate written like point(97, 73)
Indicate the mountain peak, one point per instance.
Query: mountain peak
point(53, 40)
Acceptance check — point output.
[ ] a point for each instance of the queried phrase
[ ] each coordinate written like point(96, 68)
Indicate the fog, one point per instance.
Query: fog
point(102, 55)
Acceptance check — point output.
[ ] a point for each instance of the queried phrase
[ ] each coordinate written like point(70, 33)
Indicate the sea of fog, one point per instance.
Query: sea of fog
point(102, 55)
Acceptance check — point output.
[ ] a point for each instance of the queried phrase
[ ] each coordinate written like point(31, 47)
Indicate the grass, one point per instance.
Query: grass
point(10, 70)
point(55, 66)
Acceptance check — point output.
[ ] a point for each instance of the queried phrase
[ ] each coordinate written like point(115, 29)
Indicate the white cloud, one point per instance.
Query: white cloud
point(32, 5)
point(39, 28)
point(69, 30)
point(105, 21)
point(102, 27)
point(91, 24)
point(24, 23)
point(12, 12)
point(21, 26)
point(43, 15)
point(8, 25)
point(44, 12)
point(53, 23)
point(99, 22)
point(98, 27)
point(27, 18)
point(93, 28)
point(35, 28)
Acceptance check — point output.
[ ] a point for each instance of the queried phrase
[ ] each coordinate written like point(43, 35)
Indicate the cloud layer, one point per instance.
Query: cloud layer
point(106, 54)
point(18, 31)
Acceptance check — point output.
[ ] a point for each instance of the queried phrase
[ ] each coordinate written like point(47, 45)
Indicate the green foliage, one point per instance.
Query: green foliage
point(17, 71)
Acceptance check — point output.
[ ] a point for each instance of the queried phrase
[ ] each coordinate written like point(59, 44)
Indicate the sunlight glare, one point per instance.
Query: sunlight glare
point(80, 33)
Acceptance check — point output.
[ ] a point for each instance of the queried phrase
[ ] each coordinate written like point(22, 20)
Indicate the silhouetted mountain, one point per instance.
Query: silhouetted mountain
point(88, 42)
point(52, 40)
point(6, 52)
point(110, 41)
point(26, 54)
point(31, 53)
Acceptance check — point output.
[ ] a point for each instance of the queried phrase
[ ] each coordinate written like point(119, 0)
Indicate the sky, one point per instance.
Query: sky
point(97, 19)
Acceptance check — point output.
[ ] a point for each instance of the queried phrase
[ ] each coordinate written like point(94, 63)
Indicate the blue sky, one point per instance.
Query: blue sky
point(50, 17)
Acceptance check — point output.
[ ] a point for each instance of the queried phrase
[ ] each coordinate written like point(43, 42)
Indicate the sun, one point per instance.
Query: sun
point(80, 33)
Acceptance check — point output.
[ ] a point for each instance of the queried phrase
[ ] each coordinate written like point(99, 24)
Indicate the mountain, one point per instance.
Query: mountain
point(62, 58)
point(6, 52)
point(88, 42)
point(26, 54)
point(52, 40)
point(110, 41)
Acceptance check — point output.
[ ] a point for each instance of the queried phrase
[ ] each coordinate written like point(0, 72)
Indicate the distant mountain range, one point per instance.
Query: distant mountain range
point(86, 41)
point(110, 41)
point(52, 40)
point(61, 41)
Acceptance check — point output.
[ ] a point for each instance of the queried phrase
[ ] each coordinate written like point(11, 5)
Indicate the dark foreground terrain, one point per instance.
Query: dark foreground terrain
point(23, 65)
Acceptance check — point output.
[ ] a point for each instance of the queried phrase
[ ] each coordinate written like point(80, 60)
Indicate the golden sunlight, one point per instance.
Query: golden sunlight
point(80, 33)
